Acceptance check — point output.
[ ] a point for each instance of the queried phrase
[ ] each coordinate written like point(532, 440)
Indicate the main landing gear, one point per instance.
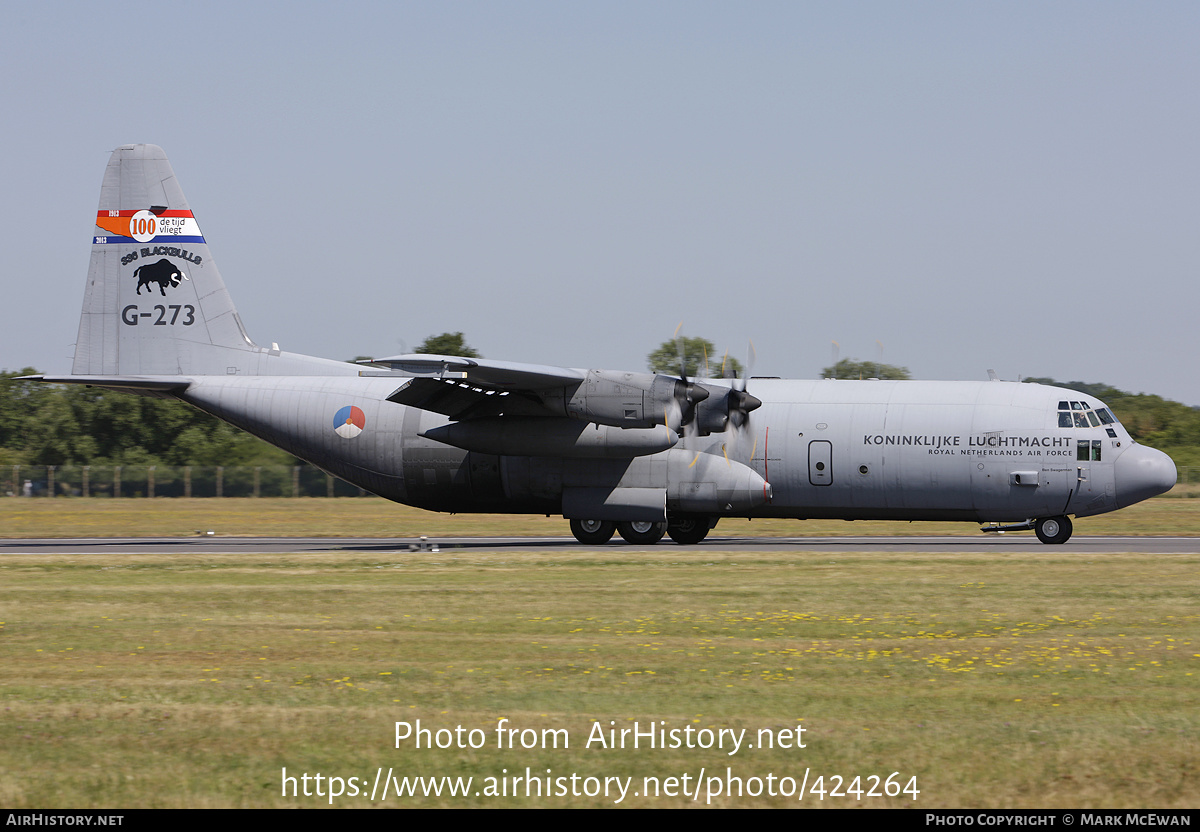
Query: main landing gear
point(689, 529)
point(684, 529)
point(642, 532)
point(1053, 529)
point(593, 532)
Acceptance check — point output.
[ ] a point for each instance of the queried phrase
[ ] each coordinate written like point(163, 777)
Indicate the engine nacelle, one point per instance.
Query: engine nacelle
point(626, 400)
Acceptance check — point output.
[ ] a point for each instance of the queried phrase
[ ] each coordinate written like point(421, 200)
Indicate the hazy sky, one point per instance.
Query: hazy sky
point(973, 185)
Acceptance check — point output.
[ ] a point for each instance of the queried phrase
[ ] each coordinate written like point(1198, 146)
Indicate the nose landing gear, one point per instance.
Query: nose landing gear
point(1053, 529)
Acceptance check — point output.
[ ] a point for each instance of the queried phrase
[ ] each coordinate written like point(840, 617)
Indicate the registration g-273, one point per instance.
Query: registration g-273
point(169, 315)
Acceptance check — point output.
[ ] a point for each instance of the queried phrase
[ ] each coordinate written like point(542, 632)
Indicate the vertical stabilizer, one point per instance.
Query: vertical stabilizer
point(155, 303)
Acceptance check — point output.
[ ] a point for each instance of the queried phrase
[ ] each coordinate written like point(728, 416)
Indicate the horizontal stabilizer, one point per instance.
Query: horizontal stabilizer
point(172, 384)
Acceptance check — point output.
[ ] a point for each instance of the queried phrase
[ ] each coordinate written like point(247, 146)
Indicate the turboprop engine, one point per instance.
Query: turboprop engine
point(627, 400)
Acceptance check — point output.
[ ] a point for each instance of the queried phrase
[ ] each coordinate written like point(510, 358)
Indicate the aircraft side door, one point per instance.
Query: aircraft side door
point(820, 462)
point(1094, 486)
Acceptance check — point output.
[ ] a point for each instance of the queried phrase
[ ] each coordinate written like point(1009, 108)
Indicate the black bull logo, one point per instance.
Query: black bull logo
point(164, 273)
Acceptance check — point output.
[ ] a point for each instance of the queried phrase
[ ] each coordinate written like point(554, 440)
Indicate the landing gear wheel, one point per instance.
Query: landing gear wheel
point(1053, 529)
point(642, 532)
point(688, 529)
point(593, 532)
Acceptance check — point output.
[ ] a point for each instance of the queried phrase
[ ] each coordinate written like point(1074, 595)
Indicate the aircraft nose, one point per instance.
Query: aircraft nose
point(1142, 472)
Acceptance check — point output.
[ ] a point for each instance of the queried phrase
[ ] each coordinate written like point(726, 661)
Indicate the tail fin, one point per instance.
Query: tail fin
point(155, 303)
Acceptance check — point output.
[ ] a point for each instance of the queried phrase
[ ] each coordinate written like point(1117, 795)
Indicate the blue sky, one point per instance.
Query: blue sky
point(970, 185)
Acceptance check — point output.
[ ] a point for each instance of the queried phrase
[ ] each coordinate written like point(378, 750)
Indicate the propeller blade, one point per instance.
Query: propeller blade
point(740, 401)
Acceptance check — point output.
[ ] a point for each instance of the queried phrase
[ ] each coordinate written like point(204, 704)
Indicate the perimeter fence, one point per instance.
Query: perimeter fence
point(207, 481)
point(172, 481)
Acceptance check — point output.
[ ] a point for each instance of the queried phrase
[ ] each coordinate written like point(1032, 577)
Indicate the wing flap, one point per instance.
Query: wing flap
point(459, 400)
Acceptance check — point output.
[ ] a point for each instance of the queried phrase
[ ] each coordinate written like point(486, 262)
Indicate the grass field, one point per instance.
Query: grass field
point(1047, 679)
point(1044, 680)
point(1175, 513)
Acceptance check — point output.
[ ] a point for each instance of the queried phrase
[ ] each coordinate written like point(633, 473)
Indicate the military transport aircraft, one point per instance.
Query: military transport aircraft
point(638, 453)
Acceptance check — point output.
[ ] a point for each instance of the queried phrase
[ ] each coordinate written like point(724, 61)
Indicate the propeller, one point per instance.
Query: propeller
point(687, 393)
point(740, 400)
point(726, 403)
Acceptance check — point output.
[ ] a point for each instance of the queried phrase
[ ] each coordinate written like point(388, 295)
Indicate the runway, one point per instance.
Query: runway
point(997, 544)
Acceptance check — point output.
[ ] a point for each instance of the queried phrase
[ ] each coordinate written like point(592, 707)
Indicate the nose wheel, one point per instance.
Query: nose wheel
point(1053, 529)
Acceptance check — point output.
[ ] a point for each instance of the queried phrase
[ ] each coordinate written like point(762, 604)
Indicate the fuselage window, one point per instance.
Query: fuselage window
point(1086, 450)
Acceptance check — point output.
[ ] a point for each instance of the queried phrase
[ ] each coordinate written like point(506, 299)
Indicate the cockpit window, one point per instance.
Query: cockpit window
point(1079, 415)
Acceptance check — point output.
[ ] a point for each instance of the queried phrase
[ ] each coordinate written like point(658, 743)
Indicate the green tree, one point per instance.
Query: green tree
point(1170, 426)
point(23, 405)
point(51, 424)
point(700, 359)
point(448, 343)
point(849, 368)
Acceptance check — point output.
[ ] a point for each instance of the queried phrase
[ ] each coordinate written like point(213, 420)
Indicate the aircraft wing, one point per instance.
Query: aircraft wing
point(489, 375)
point(474, 388)
point(460, 401)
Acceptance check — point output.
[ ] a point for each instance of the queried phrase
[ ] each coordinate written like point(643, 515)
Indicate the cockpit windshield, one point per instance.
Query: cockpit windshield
point(1080, 415)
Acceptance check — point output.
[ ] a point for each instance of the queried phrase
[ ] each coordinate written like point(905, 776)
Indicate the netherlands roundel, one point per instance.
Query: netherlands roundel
point(349, 422)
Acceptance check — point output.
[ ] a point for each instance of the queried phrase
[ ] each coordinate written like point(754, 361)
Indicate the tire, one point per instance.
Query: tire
point(593, 532)
point(641, 532)
point(688, 529)
point(1053, 529)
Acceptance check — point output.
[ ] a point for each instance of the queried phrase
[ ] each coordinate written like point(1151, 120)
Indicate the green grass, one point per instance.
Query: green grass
point(1175, 513)
point(1047, 679)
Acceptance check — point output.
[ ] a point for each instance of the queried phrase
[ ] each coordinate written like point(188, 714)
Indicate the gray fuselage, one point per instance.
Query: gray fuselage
point(901, 450)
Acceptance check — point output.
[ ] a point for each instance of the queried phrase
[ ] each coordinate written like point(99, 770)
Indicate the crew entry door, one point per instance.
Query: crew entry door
point(820, 462)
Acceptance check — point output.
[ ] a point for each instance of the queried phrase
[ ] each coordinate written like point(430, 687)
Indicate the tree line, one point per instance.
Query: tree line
point(1170, 426)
